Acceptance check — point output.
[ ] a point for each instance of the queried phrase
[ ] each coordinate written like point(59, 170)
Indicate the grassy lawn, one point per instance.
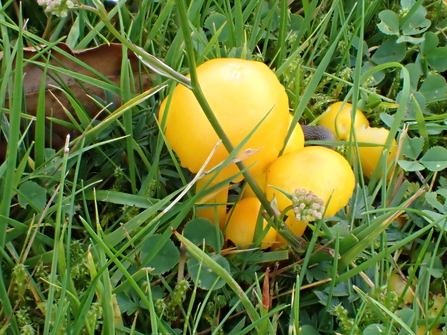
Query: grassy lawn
point(102, 224)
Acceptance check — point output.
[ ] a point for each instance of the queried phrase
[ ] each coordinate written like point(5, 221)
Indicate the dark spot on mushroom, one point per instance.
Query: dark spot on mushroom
point(318, 133)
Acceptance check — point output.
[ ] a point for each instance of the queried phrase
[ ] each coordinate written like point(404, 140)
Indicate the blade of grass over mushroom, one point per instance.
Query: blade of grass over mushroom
point(234, 157)
point(354, 91)
point(399, 115)
point(207, 109)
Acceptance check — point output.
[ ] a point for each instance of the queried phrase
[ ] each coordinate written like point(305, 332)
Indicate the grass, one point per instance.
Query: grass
point(91, 229)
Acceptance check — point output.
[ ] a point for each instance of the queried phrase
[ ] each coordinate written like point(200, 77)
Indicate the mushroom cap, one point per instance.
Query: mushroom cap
point(338, 118)
point(296, 140)
point(370, 155)
point(241, 93)
point(241, 224)
point(318, 169)
point(397, 285)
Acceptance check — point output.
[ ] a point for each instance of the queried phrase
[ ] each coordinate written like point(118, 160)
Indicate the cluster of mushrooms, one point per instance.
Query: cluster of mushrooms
point(243, 95)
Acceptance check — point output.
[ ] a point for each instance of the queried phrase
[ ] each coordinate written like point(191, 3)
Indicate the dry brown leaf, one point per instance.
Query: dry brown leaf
point(105, 59)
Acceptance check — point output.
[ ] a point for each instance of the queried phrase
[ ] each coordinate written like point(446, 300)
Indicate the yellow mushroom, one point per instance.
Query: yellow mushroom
point(295, 142)
point(370, 155)
point(241, 224)
point(241, 94)
point(338, 118)
point(319, 170)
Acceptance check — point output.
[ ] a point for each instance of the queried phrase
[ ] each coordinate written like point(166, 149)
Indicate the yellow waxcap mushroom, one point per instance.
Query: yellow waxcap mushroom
point(216, 201)
point(338, 118)
point(241, 224)
point(296, 140)
point(318, 169)
point(397, 285)
point(370, 155)
point(241, 93)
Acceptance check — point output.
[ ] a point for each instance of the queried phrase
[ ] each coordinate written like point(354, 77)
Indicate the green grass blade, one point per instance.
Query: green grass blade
point(8, 181)
point(207, 260)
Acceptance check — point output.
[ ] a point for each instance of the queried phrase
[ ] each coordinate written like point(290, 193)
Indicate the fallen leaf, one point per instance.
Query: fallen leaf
point(67, 71)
